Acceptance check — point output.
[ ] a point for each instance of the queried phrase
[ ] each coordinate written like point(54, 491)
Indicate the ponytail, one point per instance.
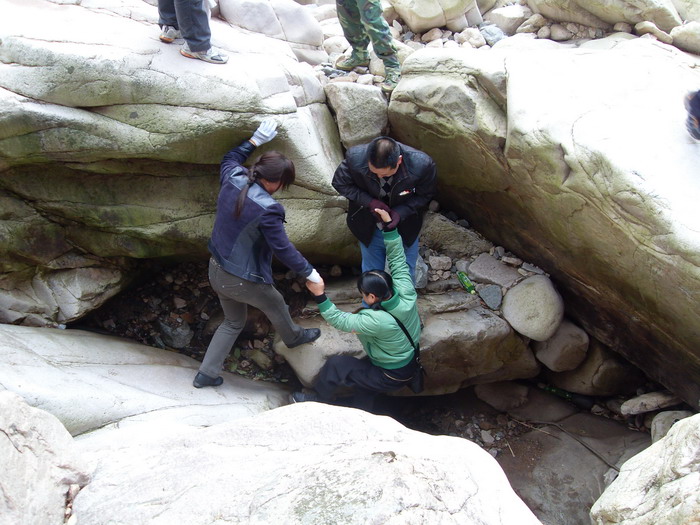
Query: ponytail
point(271, 166)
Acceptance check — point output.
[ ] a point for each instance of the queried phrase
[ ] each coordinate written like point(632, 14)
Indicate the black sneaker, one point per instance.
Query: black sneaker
point(301, 397)
point(201, 380)
point(309, 335)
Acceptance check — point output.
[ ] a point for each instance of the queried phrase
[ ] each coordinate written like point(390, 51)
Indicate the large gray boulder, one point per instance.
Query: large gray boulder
point(573, 164)
point(111, 141)
point(658, 485)
point(305, 463)
point(40, 463)
point(90, 381)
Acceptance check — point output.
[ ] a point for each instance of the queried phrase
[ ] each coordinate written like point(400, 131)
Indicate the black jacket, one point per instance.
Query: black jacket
point(414, 185)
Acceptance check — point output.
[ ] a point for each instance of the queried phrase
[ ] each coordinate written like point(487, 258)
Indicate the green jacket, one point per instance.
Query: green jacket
point(383, 340)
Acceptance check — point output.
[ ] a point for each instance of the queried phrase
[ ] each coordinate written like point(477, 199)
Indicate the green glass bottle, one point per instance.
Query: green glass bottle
point(464, 280)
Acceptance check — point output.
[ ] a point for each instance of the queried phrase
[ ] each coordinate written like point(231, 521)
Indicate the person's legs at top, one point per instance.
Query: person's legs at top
point(377, 29)
point(351, 21)
point(411, 258)
point(167, 19)
point(192, 22)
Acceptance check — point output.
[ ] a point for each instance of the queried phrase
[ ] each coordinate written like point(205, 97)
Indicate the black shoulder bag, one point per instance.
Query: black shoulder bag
point(416, 384)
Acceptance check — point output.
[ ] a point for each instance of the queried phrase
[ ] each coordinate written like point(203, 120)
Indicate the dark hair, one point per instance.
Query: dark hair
point(271, 166)
point(377, 282)
point(383, 152)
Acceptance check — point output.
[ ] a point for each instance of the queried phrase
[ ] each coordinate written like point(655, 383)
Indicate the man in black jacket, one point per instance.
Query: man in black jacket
point(391, 176)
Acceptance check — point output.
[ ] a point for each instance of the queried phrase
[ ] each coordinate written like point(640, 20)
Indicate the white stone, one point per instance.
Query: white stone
point(663, 421)
point(623, 27)
point(559, 33)
point(427, 14)
point(533, 307)
point(689, 10)
point(508, 18)
point(649, 28)
point(565, 350)
point(361, 112)
point(336, 44)
point(687, 37)
point(648, 403)
point(658, 485)
point(297, 464)
point(39, 460)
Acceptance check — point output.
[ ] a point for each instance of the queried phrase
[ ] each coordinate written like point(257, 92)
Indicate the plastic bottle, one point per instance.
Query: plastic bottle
point(464, 280)
point(576, 399)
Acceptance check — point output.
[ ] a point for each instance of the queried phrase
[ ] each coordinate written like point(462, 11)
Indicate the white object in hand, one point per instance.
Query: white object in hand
point(314, 276)
point(265, 132)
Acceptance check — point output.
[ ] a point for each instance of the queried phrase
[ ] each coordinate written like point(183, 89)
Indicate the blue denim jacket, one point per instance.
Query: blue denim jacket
point(244, 245)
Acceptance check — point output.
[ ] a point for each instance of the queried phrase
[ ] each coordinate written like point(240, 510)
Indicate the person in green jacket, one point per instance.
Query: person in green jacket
point(391, 361)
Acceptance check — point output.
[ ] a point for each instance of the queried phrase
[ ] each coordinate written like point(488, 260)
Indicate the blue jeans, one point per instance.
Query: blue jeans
point(190, 17)
point(374, 255)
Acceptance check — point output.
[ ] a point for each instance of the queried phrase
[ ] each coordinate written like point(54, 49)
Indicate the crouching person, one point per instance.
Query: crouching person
point(389, 330)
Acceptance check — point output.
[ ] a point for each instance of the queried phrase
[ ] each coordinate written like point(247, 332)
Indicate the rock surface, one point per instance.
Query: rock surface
point(89, 381)
point(554, 172)
point(296, 464)
point(658, 485)
point(40, 462)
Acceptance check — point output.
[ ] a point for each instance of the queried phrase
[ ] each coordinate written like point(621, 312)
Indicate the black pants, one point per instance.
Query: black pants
point(365, 379)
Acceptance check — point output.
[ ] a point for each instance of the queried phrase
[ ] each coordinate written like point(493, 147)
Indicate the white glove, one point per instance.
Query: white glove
point(314, 276)
point(265, 132)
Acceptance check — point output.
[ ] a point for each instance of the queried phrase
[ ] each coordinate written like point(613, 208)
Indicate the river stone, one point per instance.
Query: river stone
point(663, 421)
point(361, 111)
point(296, 464)
point(104, 380)
point(459, 349)
point(40, 463)
point(658, 485)
point(491, 295)
point(565, 350)
point(687, 37)
point(648, 402)
point(486, 268)
point(602, 373)
point(649, 28)
point(508, 18)
point(422, 16)
point(534, 308)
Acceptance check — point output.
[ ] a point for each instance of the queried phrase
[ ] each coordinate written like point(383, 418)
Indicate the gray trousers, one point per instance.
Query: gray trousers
point(190, 17)
point(235, 295)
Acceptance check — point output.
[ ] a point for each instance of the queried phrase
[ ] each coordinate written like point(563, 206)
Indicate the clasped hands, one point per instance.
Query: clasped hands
point(390, 218)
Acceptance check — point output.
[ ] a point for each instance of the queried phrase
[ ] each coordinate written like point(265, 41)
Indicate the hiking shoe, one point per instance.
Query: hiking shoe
point(201, 380)
point(309, 335)
point(349, 63)
point(169, 34)
point(301, 397)
point(391, 78)
point(211, 56)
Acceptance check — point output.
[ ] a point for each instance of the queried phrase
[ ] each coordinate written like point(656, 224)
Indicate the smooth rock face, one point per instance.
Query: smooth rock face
point(542, 174)
point(89, 381)
point(658, 485)
point(361, 111)
point(663, 421)
point(534, 308)
point(305, 463)
point(39, 461)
